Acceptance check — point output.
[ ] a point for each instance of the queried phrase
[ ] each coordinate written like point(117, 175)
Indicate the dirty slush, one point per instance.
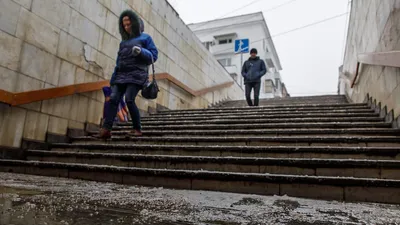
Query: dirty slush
point(26, 200)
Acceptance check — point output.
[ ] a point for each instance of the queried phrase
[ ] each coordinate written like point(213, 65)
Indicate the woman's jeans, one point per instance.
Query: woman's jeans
point(117, 91)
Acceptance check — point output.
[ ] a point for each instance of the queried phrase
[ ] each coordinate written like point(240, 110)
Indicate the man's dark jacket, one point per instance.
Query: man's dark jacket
point(253, 69)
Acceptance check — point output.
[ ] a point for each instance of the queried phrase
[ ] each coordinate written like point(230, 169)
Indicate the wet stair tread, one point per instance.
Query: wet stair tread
point(294, 162)
point(277, 149)
point(251, 125)
point(282, 102)
point(208, 175)
point(276, 112)
point(376, 131)
point(289, 106)
point(257, 138)
point(261, 121)
point(300, 98)
point(264, 115)
point(238, 148)
point(268, 109)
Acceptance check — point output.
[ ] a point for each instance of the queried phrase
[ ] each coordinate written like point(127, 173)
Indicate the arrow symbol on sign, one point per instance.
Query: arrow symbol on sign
point(241, 46)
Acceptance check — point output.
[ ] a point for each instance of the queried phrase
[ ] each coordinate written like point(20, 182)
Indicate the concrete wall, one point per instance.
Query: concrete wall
point(374, 27)
point(50, 43)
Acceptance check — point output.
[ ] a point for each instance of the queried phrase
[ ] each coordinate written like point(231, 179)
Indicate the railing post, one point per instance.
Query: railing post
point(356, 75)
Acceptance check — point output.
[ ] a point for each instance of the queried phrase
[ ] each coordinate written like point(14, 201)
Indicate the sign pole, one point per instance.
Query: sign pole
point(241, 64)
point(242, 46)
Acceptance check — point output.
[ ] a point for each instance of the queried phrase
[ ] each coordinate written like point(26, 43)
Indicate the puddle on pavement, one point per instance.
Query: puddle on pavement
point(74, 202)
point(18, 191)
point(32, 207)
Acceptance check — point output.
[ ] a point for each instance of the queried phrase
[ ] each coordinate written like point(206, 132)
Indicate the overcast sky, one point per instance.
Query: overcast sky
point(310, 57)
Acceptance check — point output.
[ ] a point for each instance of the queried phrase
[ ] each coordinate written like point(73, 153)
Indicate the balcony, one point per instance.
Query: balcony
point(223, 49)
point(267, 55)
point(277, 75)
point(232, 69)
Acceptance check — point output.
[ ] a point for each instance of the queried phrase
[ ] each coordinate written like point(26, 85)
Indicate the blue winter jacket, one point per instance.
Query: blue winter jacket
point(131, 69)
point(253, 70)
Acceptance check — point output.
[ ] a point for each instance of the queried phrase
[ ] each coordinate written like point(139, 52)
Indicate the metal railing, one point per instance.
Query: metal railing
point(391, 59)
point(22, 98)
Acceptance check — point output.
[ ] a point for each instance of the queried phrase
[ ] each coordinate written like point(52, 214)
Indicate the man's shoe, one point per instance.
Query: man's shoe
point(104, 134)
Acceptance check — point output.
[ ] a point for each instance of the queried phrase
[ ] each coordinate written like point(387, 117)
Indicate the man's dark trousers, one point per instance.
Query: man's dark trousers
point(256, 88)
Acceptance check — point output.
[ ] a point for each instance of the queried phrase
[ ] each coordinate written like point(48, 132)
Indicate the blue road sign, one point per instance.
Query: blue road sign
point(242, 46)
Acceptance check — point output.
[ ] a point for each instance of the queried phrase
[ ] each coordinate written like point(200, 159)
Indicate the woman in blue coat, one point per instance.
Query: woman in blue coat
point(136, 52)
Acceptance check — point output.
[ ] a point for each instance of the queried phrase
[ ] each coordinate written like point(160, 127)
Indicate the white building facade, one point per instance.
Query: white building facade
point(218, 36)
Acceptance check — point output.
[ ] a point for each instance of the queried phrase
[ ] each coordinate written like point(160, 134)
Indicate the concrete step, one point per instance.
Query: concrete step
point(252, 125)
point(319, 187)
point(380, 169)
point(264, 102)
point(274, 107)
point(259, 116)
point(356, 141)
point(283, 102)
point(293, 112)
point(297, 99)
point(264, 132)
point(311, 97)
point(301, 98)
point(324, 152)
point(259, 121)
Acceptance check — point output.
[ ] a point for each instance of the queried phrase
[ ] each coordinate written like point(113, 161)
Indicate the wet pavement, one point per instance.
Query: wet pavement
point(34, 200)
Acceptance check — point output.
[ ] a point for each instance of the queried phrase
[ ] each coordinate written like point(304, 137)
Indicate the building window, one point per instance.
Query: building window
point(270, 63)
point(224, 41)
point(208, 44)
point(265, 45)
point(277, 83)
point(268, 86)
point(225, 62)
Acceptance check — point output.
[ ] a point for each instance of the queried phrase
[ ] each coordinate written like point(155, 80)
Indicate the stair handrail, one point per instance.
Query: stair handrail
point(21, 98)
point(391, 58)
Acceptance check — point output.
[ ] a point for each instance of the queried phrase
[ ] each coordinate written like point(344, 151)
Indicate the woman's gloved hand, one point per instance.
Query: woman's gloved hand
point(136, 50)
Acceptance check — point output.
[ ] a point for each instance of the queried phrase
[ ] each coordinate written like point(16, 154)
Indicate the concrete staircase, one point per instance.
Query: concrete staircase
point(324, 99)
point(315, 147)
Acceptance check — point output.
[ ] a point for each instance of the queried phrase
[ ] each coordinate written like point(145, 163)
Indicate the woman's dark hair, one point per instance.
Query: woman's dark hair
point(135, 23)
